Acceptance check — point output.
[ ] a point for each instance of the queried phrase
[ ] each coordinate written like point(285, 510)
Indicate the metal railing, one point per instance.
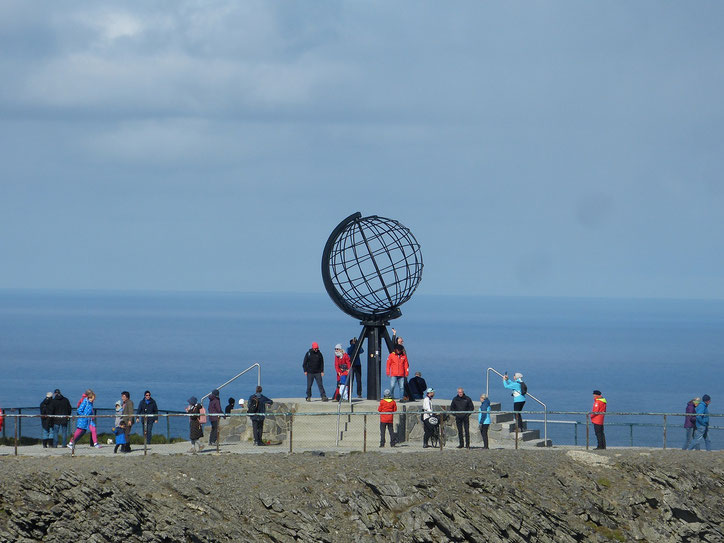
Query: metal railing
point(527, 395)
point(318, 430)
point(258, 379)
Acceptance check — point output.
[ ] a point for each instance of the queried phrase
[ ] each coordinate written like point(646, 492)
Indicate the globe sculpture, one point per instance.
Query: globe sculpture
point(370, 267)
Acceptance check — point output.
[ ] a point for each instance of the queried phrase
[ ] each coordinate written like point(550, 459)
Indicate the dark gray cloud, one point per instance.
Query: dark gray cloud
point(547, 149)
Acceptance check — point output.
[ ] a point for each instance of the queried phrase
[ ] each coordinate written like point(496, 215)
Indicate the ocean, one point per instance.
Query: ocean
point(644, 355)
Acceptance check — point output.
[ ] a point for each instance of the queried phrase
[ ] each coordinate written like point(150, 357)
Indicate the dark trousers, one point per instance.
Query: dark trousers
point(147, 429)
point(600, 436)
point(484, 434)
point(518, 406)
point(318, 378)
point(127, 433)
point(387, 426)
point(430, 431)
point(258, 429)
point(463, 425)
point(357, 377)
point(214, 434)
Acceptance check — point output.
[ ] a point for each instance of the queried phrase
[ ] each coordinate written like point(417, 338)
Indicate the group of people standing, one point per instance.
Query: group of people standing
point(696, 424)
point(56, 410)
point(349, 371)
point(256, 405)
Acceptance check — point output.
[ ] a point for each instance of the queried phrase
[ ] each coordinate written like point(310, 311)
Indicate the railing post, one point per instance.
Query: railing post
point(516, 434)
point(664, 432)
point(20, 425)
point(291, 431)
point(631, 433)
point(588, 431)
point(364, 436)
point(575, 434)
point(17, 421)
point(168, 428)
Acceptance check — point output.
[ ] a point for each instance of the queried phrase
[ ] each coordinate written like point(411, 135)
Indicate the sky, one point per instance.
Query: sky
point(533, 148)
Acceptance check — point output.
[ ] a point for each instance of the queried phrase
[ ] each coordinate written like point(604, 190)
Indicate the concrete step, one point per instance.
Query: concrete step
point(525, 435)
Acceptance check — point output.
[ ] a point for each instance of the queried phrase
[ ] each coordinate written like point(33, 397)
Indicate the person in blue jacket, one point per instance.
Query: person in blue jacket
point(518, 395)
point(484, 418)
point(85, 421)
point(702, 424)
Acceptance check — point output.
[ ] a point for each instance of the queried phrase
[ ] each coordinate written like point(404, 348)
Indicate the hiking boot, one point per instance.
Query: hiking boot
point(325, 399)
point(308, 399)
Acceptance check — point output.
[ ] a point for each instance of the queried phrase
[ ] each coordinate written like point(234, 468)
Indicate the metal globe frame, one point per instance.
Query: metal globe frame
point(370, 267)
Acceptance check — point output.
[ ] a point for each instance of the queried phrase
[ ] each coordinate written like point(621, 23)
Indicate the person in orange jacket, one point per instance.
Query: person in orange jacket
point(397, 369)
point(598, 412)
point(387, 408)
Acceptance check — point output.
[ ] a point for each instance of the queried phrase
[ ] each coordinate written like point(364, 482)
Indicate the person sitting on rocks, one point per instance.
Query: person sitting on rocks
point(387, 408)
point(417, 386)
point(229, 407)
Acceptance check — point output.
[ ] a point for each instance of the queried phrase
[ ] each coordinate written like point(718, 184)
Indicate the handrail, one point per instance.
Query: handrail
point(258, 379)
point(545, 408)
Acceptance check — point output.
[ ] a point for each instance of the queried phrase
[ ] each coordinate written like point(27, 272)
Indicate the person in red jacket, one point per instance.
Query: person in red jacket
point(597, 413)
point(387, 408)
point(397, 369)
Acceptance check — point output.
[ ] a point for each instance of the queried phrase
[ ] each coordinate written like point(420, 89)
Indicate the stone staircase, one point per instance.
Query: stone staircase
point(502, 427)
point(318, 427)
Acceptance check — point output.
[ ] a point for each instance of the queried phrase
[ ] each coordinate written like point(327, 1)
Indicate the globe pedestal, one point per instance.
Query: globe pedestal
point(374, 332)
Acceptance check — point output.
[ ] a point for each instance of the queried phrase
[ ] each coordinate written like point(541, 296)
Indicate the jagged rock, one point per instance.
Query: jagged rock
point(505, 495)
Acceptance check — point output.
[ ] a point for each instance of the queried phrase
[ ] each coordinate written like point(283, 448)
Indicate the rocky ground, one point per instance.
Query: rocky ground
point(476, 495)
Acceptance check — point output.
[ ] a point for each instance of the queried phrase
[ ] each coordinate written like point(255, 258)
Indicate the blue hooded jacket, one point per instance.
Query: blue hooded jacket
point(518, 396)
point(484, 409)
point(85, 408)
point(702, 415)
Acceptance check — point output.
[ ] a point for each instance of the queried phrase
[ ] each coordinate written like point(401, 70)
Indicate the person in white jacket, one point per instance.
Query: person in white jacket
point(430, 421)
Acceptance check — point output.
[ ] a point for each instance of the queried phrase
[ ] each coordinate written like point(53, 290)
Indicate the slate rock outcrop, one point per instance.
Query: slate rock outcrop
point(467, 495)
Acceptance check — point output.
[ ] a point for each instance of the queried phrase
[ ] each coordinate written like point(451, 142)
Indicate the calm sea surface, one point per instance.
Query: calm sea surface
point(645, 355)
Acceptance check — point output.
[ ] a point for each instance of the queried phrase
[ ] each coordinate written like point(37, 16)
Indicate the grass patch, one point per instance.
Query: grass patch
point(612, 534)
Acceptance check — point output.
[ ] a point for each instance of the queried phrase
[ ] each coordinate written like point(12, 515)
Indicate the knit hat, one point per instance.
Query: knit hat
point(315, 345)
point(388, 394)
point(706, 398)
point(517, 376)
point(192, 400)
point(597, 392)
point(429, 390)
point(338, 346)
point(215, 393)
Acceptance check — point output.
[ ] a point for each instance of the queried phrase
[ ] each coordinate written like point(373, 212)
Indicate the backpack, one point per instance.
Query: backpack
point(252, 406)
point(202, 415)
point(523, 388)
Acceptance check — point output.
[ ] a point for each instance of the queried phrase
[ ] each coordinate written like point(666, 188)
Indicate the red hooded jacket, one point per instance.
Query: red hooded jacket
point(387, 406)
